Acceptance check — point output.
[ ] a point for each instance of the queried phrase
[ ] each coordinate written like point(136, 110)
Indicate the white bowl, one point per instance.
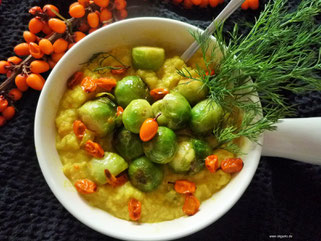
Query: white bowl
point(137, 31)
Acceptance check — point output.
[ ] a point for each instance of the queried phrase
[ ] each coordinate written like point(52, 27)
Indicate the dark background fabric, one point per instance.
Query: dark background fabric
point(284, 196)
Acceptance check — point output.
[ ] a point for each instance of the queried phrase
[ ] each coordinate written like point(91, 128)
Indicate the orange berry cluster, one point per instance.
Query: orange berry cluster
point(200, 3)
point(48, 38)
point(252, 4)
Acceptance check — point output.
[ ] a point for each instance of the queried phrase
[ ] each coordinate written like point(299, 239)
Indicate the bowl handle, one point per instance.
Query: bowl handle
point(298, 139)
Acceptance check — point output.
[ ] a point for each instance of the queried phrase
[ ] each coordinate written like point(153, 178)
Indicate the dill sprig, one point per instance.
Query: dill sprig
point(281, 53)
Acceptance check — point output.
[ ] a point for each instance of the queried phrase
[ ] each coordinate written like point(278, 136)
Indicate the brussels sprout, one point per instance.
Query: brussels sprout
point(205, 116)
point(135, 114)
point(202, 150)
point(130, 88)
point(99, 115)
point(174, 110)
point(111, 161)
point(161, 149)
point(148, 57)
point(193, 90)
point(184, 156)
point(128, 145)
point(145, 175)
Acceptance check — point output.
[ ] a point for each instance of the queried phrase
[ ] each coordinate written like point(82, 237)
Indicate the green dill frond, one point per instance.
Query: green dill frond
point(281, 53)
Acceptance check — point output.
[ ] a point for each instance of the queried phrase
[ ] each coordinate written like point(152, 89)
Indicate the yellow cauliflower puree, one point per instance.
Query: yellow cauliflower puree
point(160, 204)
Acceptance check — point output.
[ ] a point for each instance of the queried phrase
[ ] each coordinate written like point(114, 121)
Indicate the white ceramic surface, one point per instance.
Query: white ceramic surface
point(139, 31)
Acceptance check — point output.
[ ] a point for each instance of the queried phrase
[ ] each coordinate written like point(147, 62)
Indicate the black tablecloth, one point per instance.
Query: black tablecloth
point(284, 197)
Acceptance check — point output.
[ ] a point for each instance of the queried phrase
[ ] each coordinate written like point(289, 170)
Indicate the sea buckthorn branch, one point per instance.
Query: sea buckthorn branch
point(50, 35)
point(188, 4)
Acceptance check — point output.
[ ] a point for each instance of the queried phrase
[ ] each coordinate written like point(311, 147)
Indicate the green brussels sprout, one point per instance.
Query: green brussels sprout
point(145, 175)
point(161, 149)
point(128, 144)
point(190, 155)
point(205, 116)
point(135, 114)
point(111, 161)
point(148, 57)
point(99, 115)
point(184, 156)
point(193, 90)
point(202, 150)
point(174, 110)
point(130, 88)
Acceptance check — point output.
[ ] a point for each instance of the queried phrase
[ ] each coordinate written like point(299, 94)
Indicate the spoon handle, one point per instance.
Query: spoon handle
point(298, 139)
point(226, 12)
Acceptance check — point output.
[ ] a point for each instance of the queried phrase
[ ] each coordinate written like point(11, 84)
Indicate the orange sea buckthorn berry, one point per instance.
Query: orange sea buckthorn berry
point(35, 10)
point(187, 4)
point(39, 66)
point(57, 56)
point(184, 187)
point(75, 79)
point(9, 112)
point(115, 181)
point(57, 25)
point(21, 82)
point(106, 83)
point(191, 205)
point(79, 129)
point(35, 81)
point(92, 30)
point(14, 60)
point(88, 84)
point(48, 10)
point(35, 25)
point(105, 15)
point(120, 4)
point(253, 4)
point(83, 2)
point(3, 103)
point(77, 11)
point(35, 50)
point(196, 2)
point(4, 66)
point(148, 129)
point(46, 29)
point(204, 4)
point(123, 13)
point(29, 37)
point(85, 186)
point(119, 70)
point(46, 46)
point(2, 120)
point(60, 46)
point(134, 209)
point(22, 49)
point(232, 165)
point(213, 3)
point(15, 94)
point(120, 111)
point(211, 163)
point(94, 149)
point(70, 45)
point(158, 93)
point(245, 5)
point(93, 20)
point(78, 36)
point(101, 3)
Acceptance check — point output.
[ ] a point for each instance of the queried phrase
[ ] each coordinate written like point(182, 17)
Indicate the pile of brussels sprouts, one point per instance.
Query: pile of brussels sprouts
point(186, 119)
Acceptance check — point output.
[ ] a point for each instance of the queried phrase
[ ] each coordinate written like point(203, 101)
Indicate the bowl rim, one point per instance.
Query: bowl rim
point(70, 208)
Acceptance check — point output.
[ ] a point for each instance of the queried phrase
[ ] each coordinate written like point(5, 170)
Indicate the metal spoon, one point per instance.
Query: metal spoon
point(226, 12)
